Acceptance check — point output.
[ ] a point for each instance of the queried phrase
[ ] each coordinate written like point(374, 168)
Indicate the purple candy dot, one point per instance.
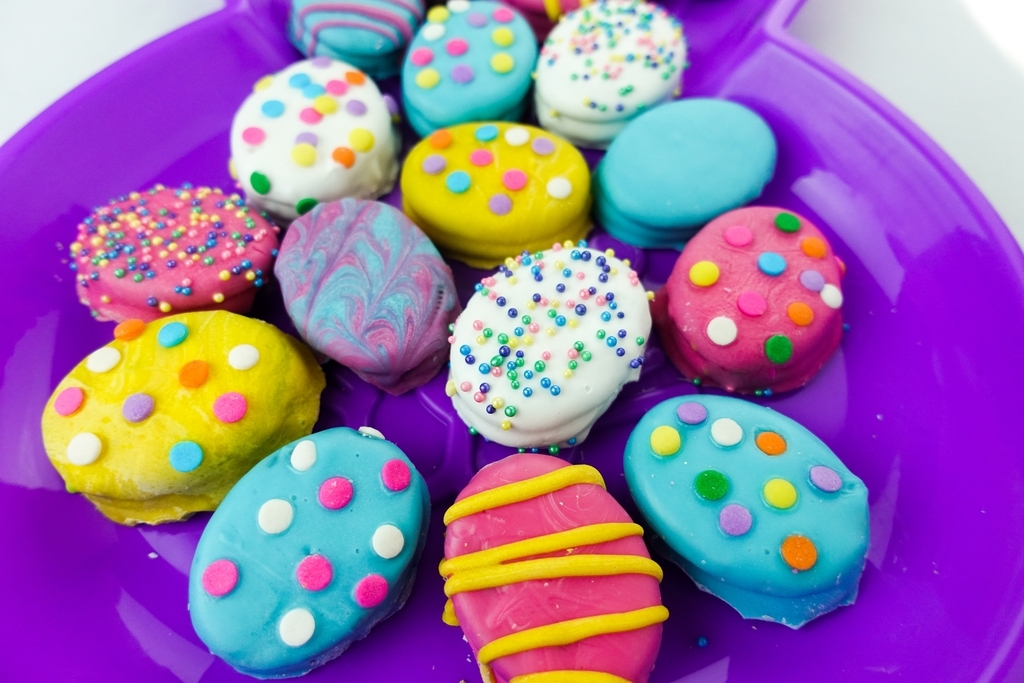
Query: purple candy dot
point(691, 413)
point(812, 280)
point(735, 520)
point(434, 164)
point(543, 146)
point(826, 479)
point(391, 104)
point(355, 107)
point(476, 20)
point(321, 62)
point(308, 138)
point(462, 73)
point(499, 204)
point(137, 407)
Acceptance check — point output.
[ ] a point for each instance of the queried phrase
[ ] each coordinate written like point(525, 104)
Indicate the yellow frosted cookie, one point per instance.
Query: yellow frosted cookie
point(482, 191)
point(161, 422)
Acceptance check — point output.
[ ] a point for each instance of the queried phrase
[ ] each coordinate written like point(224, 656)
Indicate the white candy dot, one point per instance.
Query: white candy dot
point(103, 360)
point(722, 330)
point(388, 541)
point(433, 31)
point(726, 432)
point(296, 627)
point(84, 448)
point(517, 136)
point(458, 6)
point(304, 455)
point(832, 296)
point(559, 188)
point(275, 515)
point(370, 431)
point(243, 356)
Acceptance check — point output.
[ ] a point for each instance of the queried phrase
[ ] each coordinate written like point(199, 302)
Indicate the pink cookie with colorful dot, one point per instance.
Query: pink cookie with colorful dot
point(162, 421)
point(313, 547)
point(754, 302)
point(172, 250)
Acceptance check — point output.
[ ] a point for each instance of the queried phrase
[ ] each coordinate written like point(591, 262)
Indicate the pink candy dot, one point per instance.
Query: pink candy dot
point(534, 327)
point(492, 295)
point(546, 355)
point(543, 301)
point(230, 407)
point(503, 15)
point(496, 372)
point(584, 294)
point(514, 179)
point(600, 300)
point(253, 136)
point(738, 236)
point(465, 386)
point(457, 47)
point(751, 303)
point(371, 591)
point(396, 475)
point(337, 87)
point(478, 324)
point(335, 493)
point(220, 577)
point(570, 304)
point(68, 401)
point(310, 115)
point(580, 275)
point(422, 56)
point(573, 353)
point(478, 397)
point(556, 247)
point(314, 573)
point(481, 157)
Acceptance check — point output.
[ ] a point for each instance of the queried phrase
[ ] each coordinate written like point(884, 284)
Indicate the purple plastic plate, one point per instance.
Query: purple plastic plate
point(920, 401)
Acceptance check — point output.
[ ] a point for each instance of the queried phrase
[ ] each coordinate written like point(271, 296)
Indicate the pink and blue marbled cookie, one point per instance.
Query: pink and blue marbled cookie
point(365, 287)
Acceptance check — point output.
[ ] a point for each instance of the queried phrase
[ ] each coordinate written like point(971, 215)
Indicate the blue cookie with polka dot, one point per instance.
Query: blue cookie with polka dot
point(471, 61)
point(756, 509)
point(312, 548)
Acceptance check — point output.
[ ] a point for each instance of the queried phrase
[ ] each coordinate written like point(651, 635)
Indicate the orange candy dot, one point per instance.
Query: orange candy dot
point(800, 313)
point(799, 552)
point(770, 443)
point(813, 247)
point(344, 156)
point(194, 373)
point(440, 139)
point(355, 77)
point(129, 329)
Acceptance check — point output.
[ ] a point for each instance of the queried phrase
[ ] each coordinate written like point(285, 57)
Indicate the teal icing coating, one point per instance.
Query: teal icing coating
point(243, 625)
point(747, 570)
point(678, 166)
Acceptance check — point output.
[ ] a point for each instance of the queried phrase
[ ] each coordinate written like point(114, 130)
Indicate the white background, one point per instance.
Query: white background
point(955, 67)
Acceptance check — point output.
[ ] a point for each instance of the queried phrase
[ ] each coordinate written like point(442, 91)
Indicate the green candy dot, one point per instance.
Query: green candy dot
point(488, 332)
point(496, 361)
point(573, 365)
point(551, 313)
point(208, 261)
point(527, 320)
point(600, 334)
point(451, 327)
point(539, 366)
point(778, 348)
point(586, 356)
point(578, 346)
point(711, 485)
point(553, 450)
point(119, 272)
point(512, 375)
point(503, 338)
point(236, 235)
point(639, 341)
point(520, 362)
point(137, 277)
point(472, 430)
point(787, 222)
point(514, 385)
point(259, 182)
point(305, 206)
point(510, 411)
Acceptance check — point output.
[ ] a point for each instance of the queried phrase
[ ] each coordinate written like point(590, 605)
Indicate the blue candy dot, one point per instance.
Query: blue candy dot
point(486, 133)
point(611, 341)
point(560, 320)
point(172, 334)
point(581, 309)
point(299, 80)
point(606, 316)
point(484, 388)
point(313, 90)
point(555, 391)
point(620, 351)
point(457, 181)
point(485, 368)
point(771, 263)
point(470, 359)
point(185, 456)
point(512, 313)
point(273, 108)
point(464, 349)
point(527, 392)
point(528, 374)
point(545, 382)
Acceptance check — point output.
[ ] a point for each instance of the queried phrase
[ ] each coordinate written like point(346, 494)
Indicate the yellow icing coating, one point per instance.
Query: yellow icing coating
point(132, 480)
point(570, 677)
point(462, 224)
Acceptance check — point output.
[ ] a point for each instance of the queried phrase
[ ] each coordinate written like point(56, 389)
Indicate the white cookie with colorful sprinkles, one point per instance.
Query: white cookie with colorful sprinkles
point(317, 131)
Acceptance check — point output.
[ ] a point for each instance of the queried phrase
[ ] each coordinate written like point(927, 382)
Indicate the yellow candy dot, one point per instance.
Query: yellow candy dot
point(513, 342)
point(105, 299)
point(502, 62)
point(218, 298)
point(704, 273)
point(502, 37)
point(438, 15)
point(165, 307)
point(263, 83)
point(250, 276)
point(428, 78)
point(224, 275)
point(665, 440)
point(611, 252)
point(567, 373)
point(513, 280)
point(96, 241)
point(573, 323)
point(304, 154)
point(75, 247)
point(779, 493)
point(325, 104)
point(528, 340)
point(361, 140)
point(498, 402)
point(559, 264)
point(550, 332)
point(481, 339)
point(450, 388)
point(506, 425)
point(103, 230)
point(158, 240)
point(529, 304)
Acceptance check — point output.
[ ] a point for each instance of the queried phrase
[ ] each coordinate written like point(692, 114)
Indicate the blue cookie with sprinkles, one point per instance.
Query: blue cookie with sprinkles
point(756, 509)
point(368, 34)
point(471, 61)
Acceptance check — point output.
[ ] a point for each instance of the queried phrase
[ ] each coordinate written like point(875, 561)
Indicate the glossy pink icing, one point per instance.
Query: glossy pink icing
point(490, 614)
point(756, 302)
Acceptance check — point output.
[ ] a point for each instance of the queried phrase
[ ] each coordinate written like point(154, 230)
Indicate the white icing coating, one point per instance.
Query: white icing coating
point(517, 137)
point(605, 64)
point(722, 330)
point(363, 170)
point(275, 515)
point(726, 432)
point(388, 541)
point(832, 296)
point(304, 455)
point(559, 188)
point(84, 448)
point(296, 627)
point(371, 432)
point(103, 360)
point(582, 383)
point(243, 356)
point(432, 31)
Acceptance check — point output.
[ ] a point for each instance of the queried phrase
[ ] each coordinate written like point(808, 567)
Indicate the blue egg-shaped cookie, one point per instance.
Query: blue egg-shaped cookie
point(678, 166)
point(471, 61)
point(309, 550)
point(756, 509)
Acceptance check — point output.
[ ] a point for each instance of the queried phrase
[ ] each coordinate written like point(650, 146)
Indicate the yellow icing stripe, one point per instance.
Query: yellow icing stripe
point(553, 8)
point(523, 490)
point(571, 631)
point(563, 540)
point(550, 568)
point(448, 616)
point(570, 677)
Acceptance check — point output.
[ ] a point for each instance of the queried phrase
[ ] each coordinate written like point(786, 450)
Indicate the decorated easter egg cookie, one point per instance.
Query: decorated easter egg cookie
point(549, 577)
point(753, 303)
point(605, 64)
point(365, 287)
point(162, 421)
point(317, 131)
point(482, 191)
point(310, 550)
point(471, 61)
point(149, 254)
point(369, 34)
point(755, 508)
point(545, 345)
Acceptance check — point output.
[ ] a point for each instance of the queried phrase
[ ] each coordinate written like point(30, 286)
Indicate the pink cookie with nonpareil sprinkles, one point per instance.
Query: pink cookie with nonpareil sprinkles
point(754, 302)
point(172, 250)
